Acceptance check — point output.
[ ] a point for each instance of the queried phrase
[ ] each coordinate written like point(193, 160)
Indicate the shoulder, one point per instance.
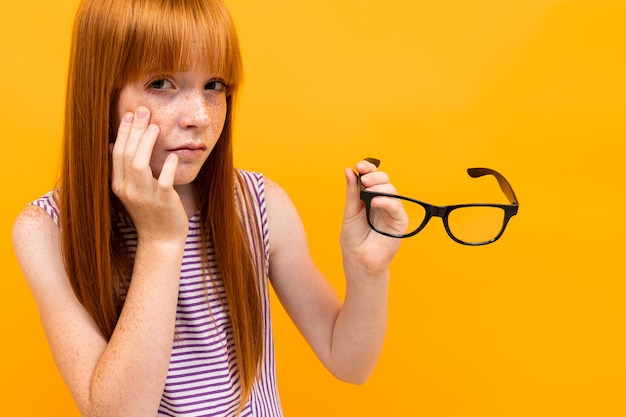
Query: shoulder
point(36, 241)
point(277, 198)
point(49, 203)
point(268, 192)
point(32, 223)
point(37, 223)
point(259, 182)
point(284, 221)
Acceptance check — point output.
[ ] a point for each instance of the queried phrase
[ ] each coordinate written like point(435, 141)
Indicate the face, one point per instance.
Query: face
point(188, 107)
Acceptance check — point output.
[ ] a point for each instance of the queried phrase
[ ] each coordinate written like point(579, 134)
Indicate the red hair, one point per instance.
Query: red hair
point(116, 41)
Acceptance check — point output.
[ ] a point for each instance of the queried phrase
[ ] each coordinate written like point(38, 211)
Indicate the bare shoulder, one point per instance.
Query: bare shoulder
point(273, 191)
point(279, 205)
point(36, 243)
point(33, 224)
point(286, 229)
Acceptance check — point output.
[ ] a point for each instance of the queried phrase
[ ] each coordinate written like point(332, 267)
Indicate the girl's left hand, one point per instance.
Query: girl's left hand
point(364, 250)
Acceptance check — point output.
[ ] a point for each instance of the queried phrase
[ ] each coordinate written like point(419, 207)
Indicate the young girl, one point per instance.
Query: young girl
point(150, 262)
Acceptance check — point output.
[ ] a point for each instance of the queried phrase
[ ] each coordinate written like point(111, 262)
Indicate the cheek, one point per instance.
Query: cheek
point(160, 117)
point(124, 102)
point(219, 116)
point(129, 98)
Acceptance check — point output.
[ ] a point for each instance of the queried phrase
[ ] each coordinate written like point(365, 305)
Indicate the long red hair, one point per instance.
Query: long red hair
point(116, 41)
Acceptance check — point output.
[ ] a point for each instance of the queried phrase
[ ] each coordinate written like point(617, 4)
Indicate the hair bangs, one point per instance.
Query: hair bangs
point(173, 36)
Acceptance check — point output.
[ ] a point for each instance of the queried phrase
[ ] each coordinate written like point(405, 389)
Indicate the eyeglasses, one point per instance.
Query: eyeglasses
point(468, 224)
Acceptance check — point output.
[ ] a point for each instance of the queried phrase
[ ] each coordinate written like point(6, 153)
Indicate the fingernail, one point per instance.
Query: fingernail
point(142, 113)
point(128, 117)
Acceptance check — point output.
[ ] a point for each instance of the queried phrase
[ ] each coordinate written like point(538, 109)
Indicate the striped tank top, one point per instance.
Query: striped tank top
point(203, 378)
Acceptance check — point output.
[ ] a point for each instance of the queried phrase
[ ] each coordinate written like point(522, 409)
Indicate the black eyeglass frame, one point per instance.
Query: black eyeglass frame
point(431, 210)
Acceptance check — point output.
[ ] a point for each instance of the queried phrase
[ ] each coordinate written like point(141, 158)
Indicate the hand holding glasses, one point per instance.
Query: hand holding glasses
point(468, 224)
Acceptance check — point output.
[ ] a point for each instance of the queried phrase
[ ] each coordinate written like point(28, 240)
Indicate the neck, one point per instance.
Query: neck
point(188, 198)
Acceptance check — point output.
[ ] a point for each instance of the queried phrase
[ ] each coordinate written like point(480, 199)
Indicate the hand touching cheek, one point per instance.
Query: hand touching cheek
point(153, 204)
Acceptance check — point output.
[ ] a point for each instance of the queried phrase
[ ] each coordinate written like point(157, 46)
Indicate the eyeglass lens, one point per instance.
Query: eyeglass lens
point(471, 224)
point(378, 218)
point(476, 224)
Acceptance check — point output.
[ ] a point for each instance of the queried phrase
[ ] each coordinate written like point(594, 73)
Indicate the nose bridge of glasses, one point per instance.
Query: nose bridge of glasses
point(437, 211)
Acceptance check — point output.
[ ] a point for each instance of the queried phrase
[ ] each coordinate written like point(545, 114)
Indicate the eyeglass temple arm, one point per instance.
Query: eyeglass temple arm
point(504, 184)
point(476, 173)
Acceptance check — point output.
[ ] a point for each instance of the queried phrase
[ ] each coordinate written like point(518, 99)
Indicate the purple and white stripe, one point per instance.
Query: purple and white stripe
point(49, 205)
point(203, 378)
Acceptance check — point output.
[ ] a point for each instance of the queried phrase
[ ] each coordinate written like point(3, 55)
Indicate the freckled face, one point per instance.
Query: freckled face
point(188, 107)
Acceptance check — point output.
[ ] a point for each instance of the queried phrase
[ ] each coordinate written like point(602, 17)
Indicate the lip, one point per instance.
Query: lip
point(191, 150)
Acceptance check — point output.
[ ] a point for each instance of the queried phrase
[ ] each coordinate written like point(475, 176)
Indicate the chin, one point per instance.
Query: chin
point(184, 174)
point(184, 180)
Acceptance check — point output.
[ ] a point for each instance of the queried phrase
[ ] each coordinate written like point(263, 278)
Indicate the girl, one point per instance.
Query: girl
point(150, 262)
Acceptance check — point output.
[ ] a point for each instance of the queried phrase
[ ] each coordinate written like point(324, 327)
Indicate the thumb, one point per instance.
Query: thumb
point(353, 200)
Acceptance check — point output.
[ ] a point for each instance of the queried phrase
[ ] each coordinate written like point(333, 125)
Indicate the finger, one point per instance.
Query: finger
point(143, 153)
point(353, 200)
point(123, 130)
point(117, 148)
point(374, 178)
point(168, 172)
point(384, 188)
point(138, 128)
point(364, 166)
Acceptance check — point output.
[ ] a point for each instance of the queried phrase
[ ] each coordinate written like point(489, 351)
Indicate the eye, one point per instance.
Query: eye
point(216, 85)
point(160, 84)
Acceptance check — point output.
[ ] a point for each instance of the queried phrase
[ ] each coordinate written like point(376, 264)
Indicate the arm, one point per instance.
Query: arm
point(346, 337)
point(125, 375)
point(104, 378)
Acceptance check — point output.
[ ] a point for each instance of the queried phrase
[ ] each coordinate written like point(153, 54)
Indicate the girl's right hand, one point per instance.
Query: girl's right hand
point(153, 204)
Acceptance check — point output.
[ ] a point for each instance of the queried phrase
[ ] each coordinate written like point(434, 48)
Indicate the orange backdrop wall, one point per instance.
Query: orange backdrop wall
point(530, 326)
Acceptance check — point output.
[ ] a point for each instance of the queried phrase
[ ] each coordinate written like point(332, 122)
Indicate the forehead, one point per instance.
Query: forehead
point(177, 43)
point(193, 57)
point(179, 57)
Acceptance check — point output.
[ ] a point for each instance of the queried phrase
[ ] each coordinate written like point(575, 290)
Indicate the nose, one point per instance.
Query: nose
point(194, 111)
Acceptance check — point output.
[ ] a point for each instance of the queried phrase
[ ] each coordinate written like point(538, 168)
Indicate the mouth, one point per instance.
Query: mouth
point(189, 151)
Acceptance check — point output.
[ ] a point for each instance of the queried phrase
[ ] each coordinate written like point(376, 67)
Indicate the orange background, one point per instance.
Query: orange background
point(530, 326)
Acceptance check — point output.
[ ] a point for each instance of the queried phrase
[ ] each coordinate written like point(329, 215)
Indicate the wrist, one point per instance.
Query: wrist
point(364, 274)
